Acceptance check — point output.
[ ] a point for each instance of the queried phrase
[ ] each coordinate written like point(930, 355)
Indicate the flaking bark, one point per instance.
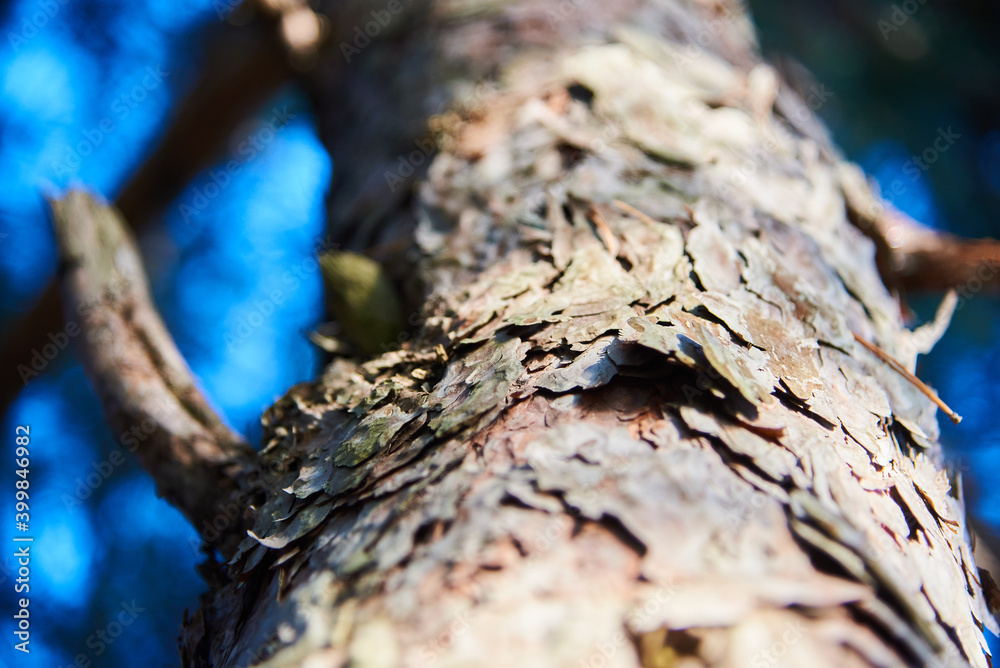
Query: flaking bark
point(664, 445)
point(634, 427)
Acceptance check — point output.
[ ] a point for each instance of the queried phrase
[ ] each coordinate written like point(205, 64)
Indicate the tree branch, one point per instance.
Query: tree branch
point(912, 256)
point(246, 64)
point(149, 395)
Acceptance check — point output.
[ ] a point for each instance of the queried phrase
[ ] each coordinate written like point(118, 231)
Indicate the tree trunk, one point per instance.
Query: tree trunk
point(634, 425)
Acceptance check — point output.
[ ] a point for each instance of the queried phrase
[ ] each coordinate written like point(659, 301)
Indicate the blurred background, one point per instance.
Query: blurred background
point(87, 87)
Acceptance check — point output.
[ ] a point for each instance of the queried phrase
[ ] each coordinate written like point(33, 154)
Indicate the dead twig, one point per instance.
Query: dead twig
point(603, 230)
point(632, 211)
point(901, 370)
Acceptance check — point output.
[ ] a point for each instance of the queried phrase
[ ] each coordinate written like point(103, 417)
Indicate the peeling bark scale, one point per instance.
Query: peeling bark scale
point(635, 427)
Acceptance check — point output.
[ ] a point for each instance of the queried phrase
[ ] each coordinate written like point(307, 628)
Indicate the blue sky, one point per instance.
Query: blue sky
point(83, 100)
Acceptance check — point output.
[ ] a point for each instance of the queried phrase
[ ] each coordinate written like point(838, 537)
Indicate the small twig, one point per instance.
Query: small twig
point(149, 395)
point(603, 230)
point(243, 68)
point(632, 211)
point(901, 370)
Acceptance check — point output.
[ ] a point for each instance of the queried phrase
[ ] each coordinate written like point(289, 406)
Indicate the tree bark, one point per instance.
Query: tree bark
point(633, 426)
